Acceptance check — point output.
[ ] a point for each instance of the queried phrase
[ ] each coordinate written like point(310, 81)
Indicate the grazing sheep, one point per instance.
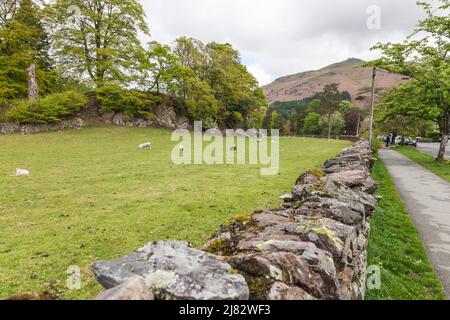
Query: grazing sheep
point(22, 172)
point(233, 148)
point(181, 147)
point(259, 140)
point(145, 146)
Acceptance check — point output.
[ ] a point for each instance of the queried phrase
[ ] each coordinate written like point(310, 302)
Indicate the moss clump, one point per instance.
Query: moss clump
point(259, 286)
point(242, 219)
point(217, 246)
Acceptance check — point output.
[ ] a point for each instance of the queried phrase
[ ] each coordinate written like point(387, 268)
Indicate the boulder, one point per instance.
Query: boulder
point(281, 292)
point(133, 289)
point(352, 178)
point(326, 234)
point(175, 270)
point(262, 270)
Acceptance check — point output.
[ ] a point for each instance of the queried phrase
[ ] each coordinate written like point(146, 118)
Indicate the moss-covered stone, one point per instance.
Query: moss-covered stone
point(317, 173)
point(242, 219)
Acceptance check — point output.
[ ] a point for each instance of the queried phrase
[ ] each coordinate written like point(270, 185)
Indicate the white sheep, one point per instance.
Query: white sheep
point(233, 148)
point(145, 146)
point(22, 172)
point(181, 147)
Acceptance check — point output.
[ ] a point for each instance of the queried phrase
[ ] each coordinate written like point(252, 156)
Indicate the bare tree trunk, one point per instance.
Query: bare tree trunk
point(33, 92)
point(329, 127)
point(443, 147)
point(357, 127)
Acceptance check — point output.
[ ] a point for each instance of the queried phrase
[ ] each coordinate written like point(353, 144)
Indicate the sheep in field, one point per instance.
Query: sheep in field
point(145, 146)
point(22, 172)
point(181, 147)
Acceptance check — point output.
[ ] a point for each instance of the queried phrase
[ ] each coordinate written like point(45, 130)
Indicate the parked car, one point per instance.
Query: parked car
point(410, 142)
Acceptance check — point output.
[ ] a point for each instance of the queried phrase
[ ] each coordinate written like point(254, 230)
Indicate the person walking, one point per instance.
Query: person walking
point(388, 141)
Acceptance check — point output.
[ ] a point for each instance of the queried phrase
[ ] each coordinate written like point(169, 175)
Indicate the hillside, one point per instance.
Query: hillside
point(350, 74)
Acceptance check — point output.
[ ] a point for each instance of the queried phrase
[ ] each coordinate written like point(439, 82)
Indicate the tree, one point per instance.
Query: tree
point(234, 87)
point(312, 124)
point(274, 121)
point(352, 120)
point(424, 58)
point(162, 68)
point(330, 103)
point(102, 43)
point(8, 9)
point(23, 42)
point(333, 125)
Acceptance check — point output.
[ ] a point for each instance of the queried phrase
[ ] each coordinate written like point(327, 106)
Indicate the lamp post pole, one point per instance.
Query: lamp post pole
point(372, 104)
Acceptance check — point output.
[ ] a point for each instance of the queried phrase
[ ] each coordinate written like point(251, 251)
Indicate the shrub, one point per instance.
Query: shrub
point(50, 109)
point(132, 103)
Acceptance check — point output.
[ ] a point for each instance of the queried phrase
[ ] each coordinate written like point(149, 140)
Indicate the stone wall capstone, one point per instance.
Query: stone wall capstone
point(313, 248)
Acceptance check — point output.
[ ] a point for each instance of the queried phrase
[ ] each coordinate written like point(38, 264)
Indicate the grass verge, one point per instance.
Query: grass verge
point(395, 246)
point(441, 169)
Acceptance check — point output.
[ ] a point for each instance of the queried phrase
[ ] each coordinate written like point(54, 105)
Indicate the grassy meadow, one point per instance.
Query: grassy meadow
point(93, 195)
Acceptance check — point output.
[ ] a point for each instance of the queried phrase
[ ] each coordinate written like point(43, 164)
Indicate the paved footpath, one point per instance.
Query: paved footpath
point(427, 198)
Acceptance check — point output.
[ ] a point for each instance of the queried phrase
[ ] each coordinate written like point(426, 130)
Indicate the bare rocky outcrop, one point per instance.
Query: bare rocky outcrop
point(315, 247)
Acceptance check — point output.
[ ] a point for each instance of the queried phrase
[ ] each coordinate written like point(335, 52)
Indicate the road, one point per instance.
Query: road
point(433, 149)
point(427, 198)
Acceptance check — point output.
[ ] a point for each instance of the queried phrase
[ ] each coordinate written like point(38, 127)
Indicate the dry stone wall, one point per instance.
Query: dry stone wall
point(10, 128)
point(314, 247)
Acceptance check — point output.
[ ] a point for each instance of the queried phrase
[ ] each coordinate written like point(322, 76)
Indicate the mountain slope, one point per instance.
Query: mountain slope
point(350, 74)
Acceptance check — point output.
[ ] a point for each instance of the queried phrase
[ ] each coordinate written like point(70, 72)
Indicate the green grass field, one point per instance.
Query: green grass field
point(441, 169)
point(92, 195)
point(395, 246)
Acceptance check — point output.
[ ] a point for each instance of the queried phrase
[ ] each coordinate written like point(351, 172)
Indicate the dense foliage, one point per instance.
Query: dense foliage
point(94, 45)
point(424, 58)
point(318, 115)
point(51, 109)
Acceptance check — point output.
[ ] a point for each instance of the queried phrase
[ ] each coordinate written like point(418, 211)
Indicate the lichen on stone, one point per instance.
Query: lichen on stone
point(317, 173)
point(161, 280)
point(324, 231)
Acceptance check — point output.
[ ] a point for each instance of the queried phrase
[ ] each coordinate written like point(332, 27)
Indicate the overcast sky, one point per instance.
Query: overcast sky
point(281, 37)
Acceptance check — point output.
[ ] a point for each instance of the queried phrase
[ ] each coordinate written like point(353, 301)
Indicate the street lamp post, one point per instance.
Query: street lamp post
point(372, 103)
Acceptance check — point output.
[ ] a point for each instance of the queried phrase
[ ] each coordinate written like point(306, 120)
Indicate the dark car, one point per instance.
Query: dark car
point(410, 142)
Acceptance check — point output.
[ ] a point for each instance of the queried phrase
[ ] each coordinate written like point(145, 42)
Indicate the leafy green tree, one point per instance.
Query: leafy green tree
point(330, 103)
point(274, 121)
point(312, 124)
point(333, 125)
point(162, 68)
point(23, 41)
point(234, 87)
point(201, 103)
point(424, 58)
point(101, 42)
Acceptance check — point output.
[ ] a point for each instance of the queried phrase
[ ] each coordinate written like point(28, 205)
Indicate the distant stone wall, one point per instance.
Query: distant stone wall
point(10, 128)
point(165, 117)
point(314, 247)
